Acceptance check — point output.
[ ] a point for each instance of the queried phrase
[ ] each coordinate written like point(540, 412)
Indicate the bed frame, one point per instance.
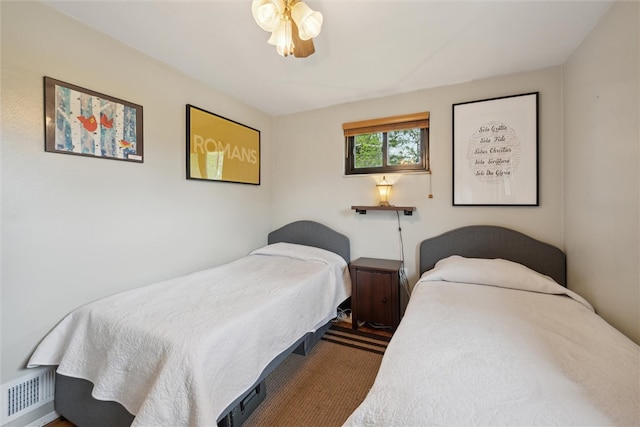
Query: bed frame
point(73, 398)
point(490, 241)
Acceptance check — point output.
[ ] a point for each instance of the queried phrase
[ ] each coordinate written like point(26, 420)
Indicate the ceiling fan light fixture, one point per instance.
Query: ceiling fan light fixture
point(267, 13)
point(282, 38)
point(284, 17)
point(309, 22)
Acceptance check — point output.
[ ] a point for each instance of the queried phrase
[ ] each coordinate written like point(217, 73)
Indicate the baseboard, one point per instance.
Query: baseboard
point(43, 421)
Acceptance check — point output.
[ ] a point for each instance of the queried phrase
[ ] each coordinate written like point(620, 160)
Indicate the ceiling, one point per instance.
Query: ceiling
point(367, 48)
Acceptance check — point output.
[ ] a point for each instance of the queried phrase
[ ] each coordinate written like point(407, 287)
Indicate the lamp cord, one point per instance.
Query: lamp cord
point(404, 282)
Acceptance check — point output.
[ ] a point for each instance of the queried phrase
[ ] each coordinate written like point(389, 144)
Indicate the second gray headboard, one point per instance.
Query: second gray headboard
point(490, 241)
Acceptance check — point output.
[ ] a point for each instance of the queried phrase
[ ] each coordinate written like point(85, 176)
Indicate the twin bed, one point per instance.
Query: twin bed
point(197, 348)
point(491, 336)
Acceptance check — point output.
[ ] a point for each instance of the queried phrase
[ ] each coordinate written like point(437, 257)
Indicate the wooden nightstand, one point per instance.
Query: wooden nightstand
point(375, 291)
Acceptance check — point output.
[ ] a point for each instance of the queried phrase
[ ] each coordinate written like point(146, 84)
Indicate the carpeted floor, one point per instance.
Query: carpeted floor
point(324, 387)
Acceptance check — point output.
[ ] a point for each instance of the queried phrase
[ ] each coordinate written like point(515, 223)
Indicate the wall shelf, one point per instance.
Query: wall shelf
point(362, 210)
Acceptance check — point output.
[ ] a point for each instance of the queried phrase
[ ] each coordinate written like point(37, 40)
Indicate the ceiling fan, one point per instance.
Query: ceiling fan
point(292, 25)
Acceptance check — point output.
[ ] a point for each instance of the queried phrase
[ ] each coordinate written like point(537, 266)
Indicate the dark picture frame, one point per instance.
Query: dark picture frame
point(220, 149)
point(495, 151)
point(87, 123)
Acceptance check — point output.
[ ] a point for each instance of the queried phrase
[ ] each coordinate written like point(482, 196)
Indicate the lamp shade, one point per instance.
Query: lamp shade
point(282, 38)
point(267, 13)
point(309, 22)
point(384, 188)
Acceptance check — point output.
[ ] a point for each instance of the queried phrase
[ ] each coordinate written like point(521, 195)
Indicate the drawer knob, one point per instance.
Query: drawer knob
point(384, 300)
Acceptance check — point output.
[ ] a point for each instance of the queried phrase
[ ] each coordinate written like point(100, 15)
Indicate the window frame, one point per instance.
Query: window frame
point(385, 125)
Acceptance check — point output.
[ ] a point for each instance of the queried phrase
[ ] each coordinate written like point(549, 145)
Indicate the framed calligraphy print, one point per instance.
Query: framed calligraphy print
point(87, 123)
point(495, 151)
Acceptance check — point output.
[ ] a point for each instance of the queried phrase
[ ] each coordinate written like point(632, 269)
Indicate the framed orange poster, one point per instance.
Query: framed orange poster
point(219, 149)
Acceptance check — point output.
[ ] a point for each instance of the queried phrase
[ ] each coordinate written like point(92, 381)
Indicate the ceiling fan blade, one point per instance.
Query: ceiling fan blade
point(303, 48)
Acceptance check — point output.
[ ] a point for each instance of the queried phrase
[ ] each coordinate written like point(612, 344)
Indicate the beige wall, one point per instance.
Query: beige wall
point(309, 179)
point(75, 229)
point(588, 189)
point(602, 168)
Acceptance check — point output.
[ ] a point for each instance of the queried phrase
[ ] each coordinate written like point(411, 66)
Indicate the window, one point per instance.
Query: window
point(390, 144)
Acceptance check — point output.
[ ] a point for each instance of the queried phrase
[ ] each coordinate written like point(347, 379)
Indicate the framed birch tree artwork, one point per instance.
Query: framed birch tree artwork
point(87, 123)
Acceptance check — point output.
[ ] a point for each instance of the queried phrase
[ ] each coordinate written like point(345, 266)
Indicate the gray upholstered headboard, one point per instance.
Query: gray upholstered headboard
point(489, 241)
point(314, 234)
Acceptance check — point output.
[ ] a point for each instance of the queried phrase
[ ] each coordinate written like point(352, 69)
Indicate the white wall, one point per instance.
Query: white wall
point(75, 229)
point(602, 167)
point(309, 179)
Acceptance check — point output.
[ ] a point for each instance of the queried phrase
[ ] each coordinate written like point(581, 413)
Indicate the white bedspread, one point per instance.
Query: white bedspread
point(491, 353)
point(177, 353)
